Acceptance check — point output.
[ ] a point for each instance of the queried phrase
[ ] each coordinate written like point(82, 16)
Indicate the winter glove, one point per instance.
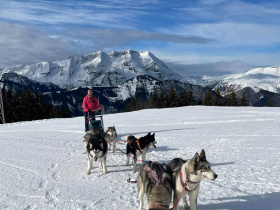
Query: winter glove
point(98, 112)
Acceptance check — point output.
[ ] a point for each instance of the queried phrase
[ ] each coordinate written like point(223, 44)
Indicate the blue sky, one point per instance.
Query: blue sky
point(180, 32)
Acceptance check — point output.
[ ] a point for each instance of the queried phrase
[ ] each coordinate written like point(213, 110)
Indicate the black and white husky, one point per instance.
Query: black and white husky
point(111, 136)
point(155, 181)
point(97, 148)
point(188, 174)
point(138, 147)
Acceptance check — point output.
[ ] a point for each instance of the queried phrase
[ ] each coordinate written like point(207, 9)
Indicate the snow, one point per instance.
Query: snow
point(42, 165)
point(267, 78)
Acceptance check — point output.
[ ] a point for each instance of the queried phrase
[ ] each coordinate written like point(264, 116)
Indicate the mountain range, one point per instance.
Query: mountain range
point(116, 76)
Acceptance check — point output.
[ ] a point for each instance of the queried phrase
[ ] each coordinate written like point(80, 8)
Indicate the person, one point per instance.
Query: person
point(89, 104)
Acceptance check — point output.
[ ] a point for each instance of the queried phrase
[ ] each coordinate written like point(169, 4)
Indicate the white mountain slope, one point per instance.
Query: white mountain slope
point(42, 165)
point(96, 69)
point(267, 78)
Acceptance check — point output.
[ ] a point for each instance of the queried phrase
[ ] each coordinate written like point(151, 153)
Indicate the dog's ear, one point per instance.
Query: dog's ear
point(153, 134)
point(195, 159)
point(202, 155)
point(149, 134)
point(113, 126)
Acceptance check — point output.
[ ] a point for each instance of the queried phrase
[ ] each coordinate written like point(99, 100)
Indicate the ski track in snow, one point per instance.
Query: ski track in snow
point(42, 165)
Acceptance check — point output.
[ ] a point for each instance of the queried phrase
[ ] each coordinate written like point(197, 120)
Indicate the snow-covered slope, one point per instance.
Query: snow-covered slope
point(96, 69)
point(42, 165)
point(257, 79)
point(205, 81)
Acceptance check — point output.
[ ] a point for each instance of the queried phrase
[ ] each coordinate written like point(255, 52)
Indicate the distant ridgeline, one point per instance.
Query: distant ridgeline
point(122, 81)
point(25, 99)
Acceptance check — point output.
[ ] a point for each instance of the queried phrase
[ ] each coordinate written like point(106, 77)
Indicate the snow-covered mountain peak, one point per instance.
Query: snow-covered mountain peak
point(267, 78)
point(272, 70)
point(96, 69)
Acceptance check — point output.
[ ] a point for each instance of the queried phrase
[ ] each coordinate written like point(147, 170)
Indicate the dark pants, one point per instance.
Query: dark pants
point(92, 116)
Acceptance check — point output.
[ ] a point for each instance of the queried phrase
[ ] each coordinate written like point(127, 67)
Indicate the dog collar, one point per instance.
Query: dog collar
point(187, 181)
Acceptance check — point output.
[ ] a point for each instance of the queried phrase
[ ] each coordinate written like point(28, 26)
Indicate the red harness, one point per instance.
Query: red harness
point(158, 182)
point(187, 181)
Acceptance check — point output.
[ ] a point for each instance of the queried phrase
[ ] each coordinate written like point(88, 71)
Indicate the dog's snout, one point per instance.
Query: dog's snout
point(215, 176)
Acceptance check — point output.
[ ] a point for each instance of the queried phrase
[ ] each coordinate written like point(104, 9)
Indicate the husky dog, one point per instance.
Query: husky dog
point(138, 147)
point(154, 181)
point(188, 174)
point(111, 136)
point(97, 148)
point(86, 139)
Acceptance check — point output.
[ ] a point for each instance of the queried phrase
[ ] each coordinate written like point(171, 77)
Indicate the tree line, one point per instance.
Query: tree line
point(158, 99)
point(27, 106)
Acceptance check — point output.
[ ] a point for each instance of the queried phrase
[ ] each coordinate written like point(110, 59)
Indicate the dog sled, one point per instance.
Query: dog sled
point(97, 123)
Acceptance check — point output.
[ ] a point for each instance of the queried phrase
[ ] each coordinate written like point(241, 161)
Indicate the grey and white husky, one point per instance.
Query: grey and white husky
point(138, 147)
point(188, 174)
point(97, 148)
point(155, 181)
point(111, 136)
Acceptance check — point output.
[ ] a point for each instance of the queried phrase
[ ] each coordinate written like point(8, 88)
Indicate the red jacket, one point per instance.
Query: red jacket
point(89, 104)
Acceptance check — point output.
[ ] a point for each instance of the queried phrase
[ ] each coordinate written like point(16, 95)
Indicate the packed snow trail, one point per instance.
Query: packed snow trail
point(42, 165)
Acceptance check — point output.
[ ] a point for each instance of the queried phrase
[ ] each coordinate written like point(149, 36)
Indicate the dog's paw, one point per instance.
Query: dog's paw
point(133, 171)
point(187, 207)
point(88, 171)
point(105, 172)
point(85, 152)
point(100, 167)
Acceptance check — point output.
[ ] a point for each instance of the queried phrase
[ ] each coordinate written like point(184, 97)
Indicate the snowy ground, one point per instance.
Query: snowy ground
point(42, 165)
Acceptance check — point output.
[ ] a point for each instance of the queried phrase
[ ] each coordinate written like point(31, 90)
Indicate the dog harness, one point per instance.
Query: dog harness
point(158, 182)
point(137, 141)
point(185, 184)
point(159, 205)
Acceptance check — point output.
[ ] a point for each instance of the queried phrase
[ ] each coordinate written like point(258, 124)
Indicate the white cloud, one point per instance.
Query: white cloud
point(103, 38)
point(212, 2)
point(114, 14)
point(25, 45)
point(231, 33)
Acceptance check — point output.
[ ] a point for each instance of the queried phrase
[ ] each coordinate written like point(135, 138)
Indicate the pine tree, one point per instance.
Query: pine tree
point(18, 113)
point(190, 98)
point(270, 103)
point(63, 112)
point(183, 99)
point(53, 112)
point(8, 106)
point(243, 101)
point(154, 99)
point(131, 106)
point(233, 99)
point(208, 99)
point(172, 97)
point(217, 101)
point(161, 99)
point(199, 101)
